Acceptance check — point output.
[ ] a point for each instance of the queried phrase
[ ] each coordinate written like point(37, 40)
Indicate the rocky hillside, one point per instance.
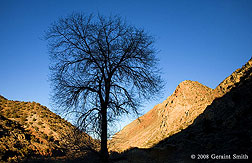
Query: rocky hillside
point(177, 112)
point(29, 129)
point(234, 79)
point(223, 128)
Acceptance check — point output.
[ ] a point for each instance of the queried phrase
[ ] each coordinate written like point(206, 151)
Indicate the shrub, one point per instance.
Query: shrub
point(40, 123)
point(23, 119)
point(8, 113)
point(36, 128)
point(33, 138)
point(15, 115)
point(44, 136)
point(50, 138)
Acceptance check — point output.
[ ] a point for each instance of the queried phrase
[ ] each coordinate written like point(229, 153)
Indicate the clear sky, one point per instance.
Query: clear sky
point(200, 40)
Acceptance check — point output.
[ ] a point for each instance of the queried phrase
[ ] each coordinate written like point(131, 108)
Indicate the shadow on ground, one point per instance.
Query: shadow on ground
point(224, 128)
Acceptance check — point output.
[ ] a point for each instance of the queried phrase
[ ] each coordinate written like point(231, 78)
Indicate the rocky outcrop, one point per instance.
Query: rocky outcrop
point(177, 112)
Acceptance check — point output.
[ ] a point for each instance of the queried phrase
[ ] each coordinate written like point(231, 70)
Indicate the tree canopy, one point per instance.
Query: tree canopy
point(101, 67)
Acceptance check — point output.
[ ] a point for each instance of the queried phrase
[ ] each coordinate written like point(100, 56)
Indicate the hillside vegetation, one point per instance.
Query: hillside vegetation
point(29, 129)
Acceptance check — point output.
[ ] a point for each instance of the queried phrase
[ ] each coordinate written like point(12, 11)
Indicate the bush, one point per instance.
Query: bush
point(15, 115)
point(36, 128)
point(23, 119)
point(8, 113)
point(33, 138)
point(40, 123)
point(50, 138)
point(44, 136)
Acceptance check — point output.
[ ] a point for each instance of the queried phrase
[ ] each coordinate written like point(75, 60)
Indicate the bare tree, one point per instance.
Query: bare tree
point(101, 67)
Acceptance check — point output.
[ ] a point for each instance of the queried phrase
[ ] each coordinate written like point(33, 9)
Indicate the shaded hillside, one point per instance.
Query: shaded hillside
point(177, 112)
point(29, 129)
point(224, 127)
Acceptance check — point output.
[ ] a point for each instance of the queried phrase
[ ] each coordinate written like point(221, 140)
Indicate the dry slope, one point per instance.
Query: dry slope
point(223, 128)
point(28, 129)
point(177, 112)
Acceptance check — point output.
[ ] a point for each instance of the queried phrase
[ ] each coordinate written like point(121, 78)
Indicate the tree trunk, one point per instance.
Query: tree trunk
point(104, 126)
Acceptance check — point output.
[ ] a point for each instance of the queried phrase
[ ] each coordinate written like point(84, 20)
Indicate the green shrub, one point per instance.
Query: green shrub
point(36, 128)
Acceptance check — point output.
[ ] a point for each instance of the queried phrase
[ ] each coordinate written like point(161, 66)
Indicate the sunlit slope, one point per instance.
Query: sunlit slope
point(36, 131)
point(177, 112)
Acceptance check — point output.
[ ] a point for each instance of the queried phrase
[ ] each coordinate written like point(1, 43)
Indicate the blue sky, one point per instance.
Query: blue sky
point(200, 40)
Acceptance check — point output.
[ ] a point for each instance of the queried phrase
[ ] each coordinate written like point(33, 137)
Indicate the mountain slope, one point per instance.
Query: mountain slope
point(222, 133)
point(223, 128)
point(29, 129)
point(232, 80)
point(177, 112)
